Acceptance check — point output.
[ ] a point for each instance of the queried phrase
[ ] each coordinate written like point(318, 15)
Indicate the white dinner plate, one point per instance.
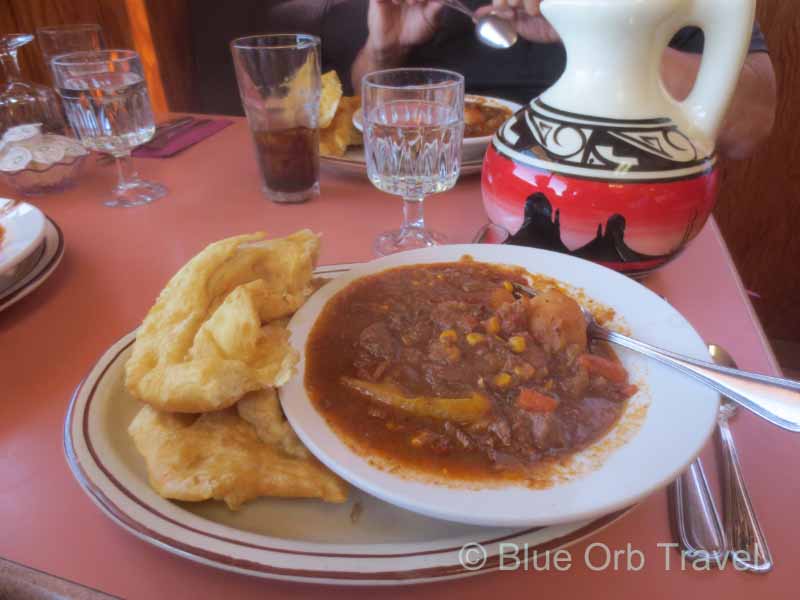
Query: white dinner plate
point(301, 540)
point(24, 227)
point(34, 270)
point(353, 162)
point(661, 431)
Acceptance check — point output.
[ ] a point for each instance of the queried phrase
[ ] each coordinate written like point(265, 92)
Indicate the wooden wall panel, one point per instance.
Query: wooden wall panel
point(169, 23)
point(759, 205)
point(114, 16)
point(30, 14)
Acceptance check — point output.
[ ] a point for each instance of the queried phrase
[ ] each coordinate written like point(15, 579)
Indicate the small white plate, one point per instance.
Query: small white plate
point(355, 163)
point(43, 261)
point(300, 540)
point(662, 430)
point(24, 227)
point(472, 148)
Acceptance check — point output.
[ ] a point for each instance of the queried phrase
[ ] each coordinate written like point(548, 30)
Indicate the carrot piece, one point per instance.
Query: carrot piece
point(613, 371)
point(530, 399)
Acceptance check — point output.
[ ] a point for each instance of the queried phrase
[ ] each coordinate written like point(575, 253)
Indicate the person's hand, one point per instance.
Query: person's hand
point(527, 18)
point(395, 26)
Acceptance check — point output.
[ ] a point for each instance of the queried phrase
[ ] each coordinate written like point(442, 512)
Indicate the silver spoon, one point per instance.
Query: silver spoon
point(491, 29)
point(747, 543)
point(775, 399)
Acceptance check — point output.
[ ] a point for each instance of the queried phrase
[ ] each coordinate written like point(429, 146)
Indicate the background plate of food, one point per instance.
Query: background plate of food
point(483, 116)
point(22, 230)
point(166, 439)
point(434, 389)
point(34, 270)
point(342, 145)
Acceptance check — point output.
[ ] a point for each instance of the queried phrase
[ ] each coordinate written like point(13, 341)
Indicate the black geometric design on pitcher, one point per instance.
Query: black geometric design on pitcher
point(648, 145)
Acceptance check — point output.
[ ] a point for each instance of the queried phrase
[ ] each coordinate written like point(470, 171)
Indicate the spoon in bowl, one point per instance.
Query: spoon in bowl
point(775, 399)
point(491, 29)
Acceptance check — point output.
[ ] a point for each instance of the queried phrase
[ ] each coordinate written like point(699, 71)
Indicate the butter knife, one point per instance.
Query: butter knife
point(746, 540)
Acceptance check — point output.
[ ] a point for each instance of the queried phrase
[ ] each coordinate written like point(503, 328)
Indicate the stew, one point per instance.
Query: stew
point(442, 369)
point(482, 119)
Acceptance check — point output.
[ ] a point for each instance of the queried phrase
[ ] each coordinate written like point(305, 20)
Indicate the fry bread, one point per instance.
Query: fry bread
point(219, 455)
point(329, 98)
point(263, 411)
point(208, 339)
point(333, 141)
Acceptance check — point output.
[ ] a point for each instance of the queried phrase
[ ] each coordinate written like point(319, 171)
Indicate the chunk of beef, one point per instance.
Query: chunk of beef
point(501, 430)
point(453, 314)
point(458, 434)
point(513, 317)
point(547, 431)
point(378, 341)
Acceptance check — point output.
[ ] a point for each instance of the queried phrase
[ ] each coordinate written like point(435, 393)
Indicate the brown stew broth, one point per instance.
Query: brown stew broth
point(412, 328)
point(482, 119)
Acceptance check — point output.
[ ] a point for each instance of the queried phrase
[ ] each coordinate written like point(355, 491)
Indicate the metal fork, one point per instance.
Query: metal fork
point(772, 398)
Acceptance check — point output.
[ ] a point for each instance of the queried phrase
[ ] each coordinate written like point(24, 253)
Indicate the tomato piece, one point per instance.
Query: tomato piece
point(613, 371)
point(534, 401)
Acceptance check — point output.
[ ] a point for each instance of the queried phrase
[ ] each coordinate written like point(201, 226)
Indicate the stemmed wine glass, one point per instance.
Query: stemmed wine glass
point(413, 127)
point(107, 104)
point(24, 102)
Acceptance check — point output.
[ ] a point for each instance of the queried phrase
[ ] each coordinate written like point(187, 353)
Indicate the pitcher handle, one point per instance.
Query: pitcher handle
point(727, 26)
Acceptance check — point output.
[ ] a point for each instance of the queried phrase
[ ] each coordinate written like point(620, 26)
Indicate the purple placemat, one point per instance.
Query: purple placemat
point(184, 139)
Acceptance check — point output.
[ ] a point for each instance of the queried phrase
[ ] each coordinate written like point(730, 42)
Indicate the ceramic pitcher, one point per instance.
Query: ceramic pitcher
point(605, 164)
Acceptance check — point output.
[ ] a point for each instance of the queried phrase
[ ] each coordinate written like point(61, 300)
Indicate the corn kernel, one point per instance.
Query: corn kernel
point(524, 371)
point(502, 380)
point(448, 335)
point(517, 343)
point(492, 325)
point(475, 338)
point(508, 286)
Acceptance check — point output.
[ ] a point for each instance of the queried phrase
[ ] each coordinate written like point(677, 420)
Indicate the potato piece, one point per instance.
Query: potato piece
point(556, 321)
point(220, 456)
point(471, 409)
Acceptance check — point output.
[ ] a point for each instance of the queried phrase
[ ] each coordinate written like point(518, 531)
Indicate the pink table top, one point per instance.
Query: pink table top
point(116, 262)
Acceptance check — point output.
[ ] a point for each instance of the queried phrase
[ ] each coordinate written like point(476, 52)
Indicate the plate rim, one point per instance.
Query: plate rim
point(75, 458)
point(41, 271)
point(397, 490)
point(32, 245)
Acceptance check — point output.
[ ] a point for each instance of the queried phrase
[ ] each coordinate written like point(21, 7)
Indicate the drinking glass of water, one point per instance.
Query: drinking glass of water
point(413, 126)
point(105, 98)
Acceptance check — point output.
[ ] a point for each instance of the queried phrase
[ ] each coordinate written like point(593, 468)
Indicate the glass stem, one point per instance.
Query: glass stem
point(126, 172)
point(413, 213)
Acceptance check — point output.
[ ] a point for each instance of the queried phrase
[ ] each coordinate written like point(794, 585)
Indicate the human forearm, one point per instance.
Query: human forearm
point(373, 59)
point(751, 114)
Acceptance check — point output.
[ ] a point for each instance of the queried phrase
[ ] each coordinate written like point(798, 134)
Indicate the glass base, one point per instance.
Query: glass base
point(400, 240)
point(291, 197)
point(136, 193)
